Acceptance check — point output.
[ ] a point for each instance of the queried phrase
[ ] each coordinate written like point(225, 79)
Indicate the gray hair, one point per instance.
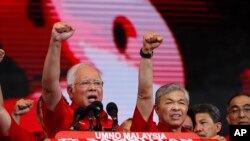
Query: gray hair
point(166, 89)
point(71, 74)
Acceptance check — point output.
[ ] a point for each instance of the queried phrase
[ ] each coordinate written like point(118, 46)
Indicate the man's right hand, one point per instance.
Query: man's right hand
point(61, 31)
point(151, 40)
point(22, 106)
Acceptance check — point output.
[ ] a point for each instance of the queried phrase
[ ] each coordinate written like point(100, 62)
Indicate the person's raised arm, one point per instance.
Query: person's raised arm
point(145, 103)
point(1, 96)
point(5, 119)
point(2, 53)
point(51, 70)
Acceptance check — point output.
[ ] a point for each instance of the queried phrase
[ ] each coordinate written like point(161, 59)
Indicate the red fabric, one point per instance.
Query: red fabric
point(4, 138)
point(17, 133)
point(227, 137)
point(62, 117)
point(140, 125)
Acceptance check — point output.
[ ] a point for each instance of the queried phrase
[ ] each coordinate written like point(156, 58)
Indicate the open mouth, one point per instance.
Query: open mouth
point(92, 98)
point(175, 116)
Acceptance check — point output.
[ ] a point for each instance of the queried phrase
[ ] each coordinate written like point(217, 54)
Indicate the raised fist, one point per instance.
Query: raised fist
point(61, 31)
point(151, 40)
point(23, 106)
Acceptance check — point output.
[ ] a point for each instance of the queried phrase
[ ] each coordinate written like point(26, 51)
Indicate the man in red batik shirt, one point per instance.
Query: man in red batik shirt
point(171, 100)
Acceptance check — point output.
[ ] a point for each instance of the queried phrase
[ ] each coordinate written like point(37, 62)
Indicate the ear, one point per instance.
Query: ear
point(218, 126)
point(227, 117)
point(70, 91)
point(156, 107)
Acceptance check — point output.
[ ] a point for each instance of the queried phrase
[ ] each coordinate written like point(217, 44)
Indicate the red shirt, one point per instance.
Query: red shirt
point(62, 118)
point(140, 125)
point(17, 133)
point(227, 137)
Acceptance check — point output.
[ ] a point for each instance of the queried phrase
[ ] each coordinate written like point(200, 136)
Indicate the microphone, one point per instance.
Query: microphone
point(91, 115)
point(112, 110)
point(98, 110)
point(79, 114)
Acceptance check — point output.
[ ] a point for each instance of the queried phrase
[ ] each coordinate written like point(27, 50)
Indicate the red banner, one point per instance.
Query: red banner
point(125, 136)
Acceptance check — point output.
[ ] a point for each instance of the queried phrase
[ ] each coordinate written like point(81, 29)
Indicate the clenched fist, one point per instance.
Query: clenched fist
point(61, 31)
point(23, 106)
point(151, 40)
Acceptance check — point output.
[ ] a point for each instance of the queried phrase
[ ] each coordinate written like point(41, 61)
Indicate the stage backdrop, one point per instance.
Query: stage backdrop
point(205, 47)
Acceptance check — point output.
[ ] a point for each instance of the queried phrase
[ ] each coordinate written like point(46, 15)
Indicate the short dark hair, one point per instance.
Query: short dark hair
point(211, 109)
point(236, 95)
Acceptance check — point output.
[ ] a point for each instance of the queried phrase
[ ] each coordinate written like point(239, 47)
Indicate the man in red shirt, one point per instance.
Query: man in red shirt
point(84, 86)
point(171, 100)
point(9, 128)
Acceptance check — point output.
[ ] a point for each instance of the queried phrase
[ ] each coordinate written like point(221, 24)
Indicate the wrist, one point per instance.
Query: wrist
point(145, 54)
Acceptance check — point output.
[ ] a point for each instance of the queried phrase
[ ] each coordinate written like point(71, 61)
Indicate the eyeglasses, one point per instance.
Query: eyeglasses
point(235, 110)
point(87, 83)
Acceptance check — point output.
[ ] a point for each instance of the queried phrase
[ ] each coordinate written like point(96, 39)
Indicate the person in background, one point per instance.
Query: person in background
point(171, 100)
point(126, 124)
point(238, 110)
point(84, 86)
point(207, 121)
point(188, 123)
point(4, 115)
point(10, 130)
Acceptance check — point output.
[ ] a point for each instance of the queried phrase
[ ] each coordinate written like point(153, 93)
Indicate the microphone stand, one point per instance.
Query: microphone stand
point(98, 126)
point(91, 121)
point(115, 124)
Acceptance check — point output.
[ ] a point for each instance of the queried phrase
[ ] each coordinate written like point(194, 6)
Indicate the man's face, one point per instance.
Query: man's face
point(188, 124)
point(239, 111)
point(172, 109)
point(205, 126)
point(88, 87)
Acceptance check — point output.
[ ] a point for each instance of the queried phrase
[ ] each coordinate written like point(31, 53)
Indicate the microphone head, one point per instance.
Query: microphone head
point(80, 111)
point(94, 109)
point(98, 105)
point(111, 108)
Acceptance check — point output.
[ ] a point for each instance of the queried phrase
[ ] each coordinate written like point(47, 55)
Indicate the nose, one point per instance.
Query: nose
point(242, 113)
point(92, 85)
point(175, 106)
point(197, 127)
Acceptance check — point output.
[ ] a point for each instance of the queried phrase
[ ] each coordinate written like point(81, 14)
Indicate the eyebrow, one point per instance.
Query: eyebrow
point(237, 106)
point(234, 106)
point(180, 100)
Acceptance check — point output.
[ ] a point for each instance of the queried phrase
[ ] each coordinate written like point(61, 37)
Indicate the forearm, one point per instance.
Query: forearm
point(1, 96)
point(16, 117)
point(5, 122)
point(51, 69)
point(51, 75)
point(145, 88)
